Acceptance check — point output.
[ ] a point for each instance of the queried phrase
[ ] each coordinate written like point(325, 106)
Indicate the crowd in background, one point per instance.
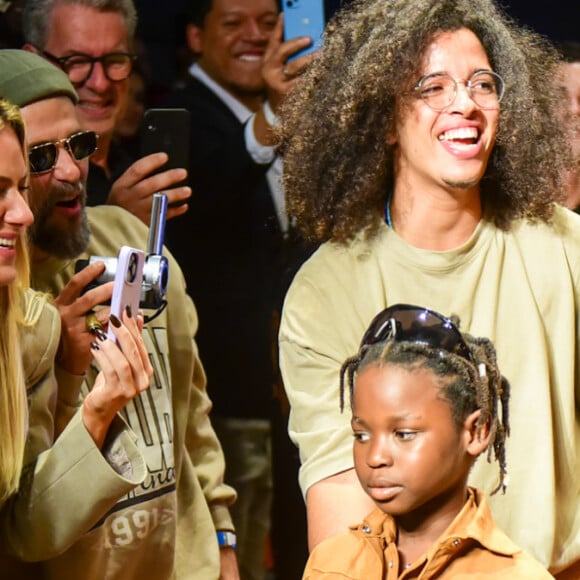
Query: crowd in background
point(233, 258)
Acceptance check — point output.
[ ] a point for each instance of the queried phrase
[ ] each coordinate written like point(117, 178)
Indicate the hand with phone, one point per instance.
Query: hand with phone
point(279, 75)
point(121, 353)
point(304, 18)
point(74, 352)
point(125, 372)
point(135, 188)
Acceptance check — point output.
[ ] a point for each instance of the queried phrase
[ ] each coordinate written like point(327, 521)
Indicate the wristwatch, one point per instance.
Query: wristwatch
point(226, 538)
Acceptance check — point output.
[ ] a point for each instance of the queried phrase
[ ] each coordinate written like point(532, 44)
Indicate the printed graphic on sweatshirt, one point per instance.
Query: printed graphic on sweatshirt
point(150, 416)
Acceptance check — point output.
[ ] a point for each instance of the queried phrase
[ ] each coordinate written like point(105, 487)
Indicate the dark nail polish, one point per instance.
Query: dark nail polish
point(95, 346)
point(129, 311)
point(116, 322)
point(101, 335)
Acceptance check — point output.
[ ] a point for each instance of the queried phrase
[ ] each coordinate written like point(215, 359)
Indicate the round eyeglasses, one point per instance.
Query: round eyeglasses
point(42, 157)
point(117, 66)
point(438, 90)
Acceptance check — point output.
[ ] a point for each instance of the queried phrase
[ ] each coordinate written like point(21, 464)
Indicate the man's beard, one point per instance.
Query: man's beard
point(53, 239)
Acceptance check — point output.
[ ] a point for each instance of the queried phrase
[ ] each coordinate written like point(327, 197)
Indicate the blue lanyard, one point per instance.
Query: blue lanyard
point(388, 219)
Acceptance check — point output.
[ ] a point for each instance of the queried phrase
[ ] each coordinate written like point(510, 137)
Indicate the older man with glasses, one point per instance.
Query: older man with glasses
point(92, 43)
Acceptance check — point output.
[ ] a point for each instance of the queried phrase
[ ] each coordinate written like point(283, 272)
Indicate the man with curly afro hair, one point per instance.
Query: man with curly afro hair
point(424, 149)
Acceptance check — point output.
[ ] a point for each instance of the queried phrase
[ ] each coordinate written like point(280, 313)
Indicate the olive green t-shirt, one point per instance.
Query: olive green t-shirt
point(519, 288)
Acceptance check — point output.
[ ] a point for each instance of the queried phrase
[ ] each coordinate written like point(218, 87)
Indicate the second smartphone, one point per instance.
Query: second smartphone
point(304, 18)
point(167, 130)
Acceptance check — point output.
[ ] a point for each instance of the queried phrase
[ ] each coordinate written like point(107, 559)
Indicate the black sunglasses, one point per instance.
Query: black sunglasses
point(43, 157)
point(404, 322)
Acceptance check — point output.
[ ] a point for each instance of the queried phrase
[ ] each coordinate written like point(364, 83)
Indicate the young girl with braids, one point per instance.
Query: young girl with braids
point(426, 401)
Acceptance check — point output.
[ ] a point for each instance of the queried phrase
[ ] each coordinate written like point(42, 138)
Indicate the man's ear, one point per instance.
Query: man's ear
point(476, 437)
point(194, 36)
point(30, 48)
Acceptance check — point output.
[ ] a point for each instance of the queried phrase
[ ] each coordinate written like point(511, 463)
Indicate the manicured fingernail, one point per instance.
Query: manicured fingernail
point(116, 322)
point(101, 335)
point(129, 311)
point(95, 346)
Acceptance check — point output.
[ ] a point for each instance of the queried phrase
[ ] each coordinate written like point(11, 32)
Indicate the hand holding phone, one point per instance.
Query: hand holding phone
point(304, 18)
point(127, 284)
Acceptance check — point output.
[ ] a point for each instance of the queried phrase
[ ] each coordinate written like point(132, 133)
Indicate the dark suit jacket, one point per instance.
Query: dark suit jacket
point(230, 248)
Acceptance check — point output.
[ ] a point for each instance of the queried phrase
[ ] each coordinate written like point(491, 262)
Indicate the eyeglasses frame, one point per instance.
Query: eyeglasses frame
point(61, 61)
point(466, 82)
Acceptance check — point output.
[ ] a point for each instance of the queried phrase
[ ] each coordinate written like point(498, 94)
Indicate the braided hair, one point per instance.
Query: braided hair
point(467, 386)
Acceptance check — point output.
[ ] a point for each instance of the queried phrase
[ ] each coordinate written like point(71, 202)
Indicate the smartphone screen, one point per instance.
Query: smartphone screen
point(167, 130)
point(304, 18)
point(127, 284)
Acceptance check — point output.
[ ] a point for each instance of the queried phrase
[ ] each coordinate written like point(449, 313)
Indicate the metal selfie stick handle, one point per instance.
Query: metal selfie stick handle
point(157, 226)
point(156, 270)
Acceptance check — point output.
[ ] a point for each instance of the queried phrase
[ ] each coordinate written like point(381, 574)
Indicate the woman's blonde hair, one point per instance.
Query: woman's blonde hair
point(14, 313)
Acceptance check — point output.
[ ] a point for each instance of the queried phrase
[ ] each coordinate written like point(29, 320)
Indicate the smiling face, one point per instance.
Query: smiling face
point(76, 29)
point(15, 215)
point(448, 148)
point(57, 197)
point(409, 455)
point(232, 42)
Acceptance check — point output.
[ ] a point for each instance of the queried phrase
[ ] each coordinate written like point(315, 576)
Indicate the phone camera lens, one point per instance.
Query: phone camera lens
point(132, 268)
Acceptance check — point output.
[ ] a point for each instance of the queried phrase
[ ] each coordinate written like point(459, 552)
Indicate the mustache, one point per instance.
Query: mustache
point(66, 192)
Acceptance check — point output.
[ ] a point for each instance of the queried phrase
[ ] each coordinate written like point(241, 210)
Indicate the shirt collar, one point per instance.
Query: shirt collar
point(238, 109)
point(474, 522)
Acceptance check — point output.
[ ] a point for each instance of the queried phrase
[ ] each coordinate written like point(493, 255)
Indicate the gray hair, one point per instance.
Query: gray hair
point(37, 14)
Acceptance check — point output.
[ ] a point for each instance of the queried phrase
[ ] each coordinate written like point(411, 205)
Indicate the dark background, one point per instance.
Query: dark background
point(161, 26)
point(559, 20)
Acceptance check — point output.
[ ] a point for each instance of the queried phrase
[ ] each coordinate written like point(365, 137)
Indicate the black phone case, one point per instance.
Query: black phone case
point(167, 130)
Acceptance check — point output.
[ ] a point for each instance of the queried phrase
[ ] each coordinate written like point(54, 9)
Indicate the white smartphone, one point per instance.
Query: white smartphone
point(304, 18)
point(127, 284)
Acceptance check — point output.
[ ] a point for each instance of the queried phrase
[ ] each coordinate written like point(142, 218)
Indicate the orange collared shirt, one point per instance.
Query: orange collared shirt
point(471, 548)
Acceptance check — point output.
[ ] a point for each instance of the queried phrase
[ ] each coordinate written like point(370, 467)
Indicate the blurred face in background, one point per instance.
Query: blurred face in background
point(76, 29)
point(231, 45)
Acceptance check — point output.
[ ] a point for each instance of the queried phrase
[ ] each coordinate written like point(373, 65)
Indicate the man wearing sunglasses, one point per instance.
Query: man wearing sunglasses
point(424, 150)
point(92, 45)
point(170, 526)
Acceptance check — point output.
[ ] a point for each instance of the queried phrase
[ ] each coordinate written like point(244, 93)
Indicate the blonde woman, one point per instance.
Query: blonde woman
point(40, 477)
point(18, 307)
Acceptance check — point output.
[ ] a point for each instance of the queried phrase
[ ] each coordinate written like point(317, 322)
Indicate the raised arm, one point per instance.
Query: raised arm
point(67, 485)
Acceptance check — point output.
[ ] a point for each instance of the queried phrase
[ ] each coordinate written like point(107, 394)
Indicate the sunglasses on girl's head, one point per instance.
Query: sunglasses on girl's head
point(404, 322)
point(43, 157)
